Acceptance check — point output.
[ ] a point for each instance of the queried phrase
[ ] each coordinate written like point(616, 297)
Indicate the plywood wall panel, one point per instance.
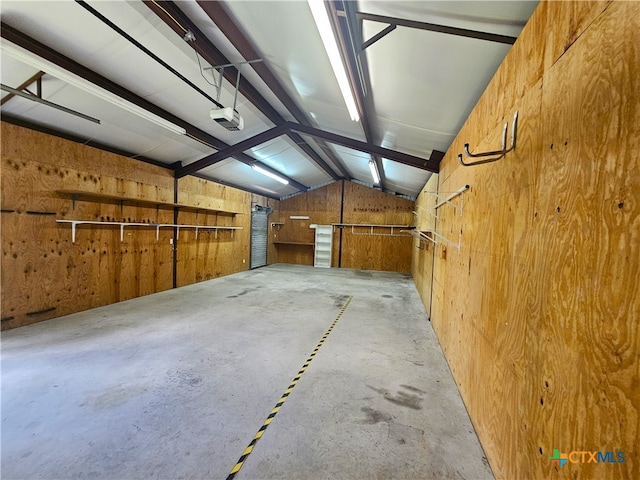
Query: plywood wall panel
point(571, 20)
point(45, 275)
point(212, 255)
point(357, 204)
point(592, 257)
point(322, 206)
point(544, 345)
point(423, 250)
point(363, 205)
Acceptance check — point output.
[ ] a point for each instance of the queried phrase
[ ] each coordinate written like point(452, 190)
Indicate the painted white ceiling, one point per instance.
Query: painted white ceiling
point(424, 84)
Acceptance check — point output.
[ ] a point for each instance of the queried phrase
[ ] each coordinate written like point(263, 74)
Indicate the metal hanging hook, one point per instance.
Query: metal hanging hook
point(501, 153)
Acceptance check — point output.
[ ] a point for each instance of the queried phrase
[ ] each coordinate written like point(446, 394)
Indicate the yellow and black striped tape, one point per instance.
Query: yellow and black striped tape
point(285, 395)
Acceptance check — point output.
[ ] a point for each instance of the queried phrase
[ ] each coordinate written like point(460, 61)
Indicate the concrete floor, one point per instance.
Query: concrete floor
point(176, 385)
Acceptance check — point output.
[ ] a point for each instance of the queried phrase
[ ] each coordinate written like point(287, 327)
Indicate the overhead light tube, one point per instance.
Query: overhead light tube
point(323, 23)
point(374, 172)
point(51, 68)
point(269, 174)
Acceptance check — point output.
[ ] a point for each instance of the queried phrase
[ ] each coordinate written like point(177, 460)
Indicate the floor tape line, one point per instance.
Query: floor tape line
point(247, 451)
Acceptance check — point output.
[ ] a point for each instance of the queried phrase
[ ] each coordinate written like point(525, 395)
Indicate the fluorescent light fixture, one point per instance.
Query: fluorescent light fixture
point(374, 172)
point(51, 68)
point(299, 217)
point(321, 18)
point(269, 174)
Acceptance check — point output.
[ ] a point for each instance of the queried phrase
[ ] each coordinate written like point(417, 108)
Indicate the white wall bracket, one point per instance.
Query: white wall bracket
point(373, 229)
point(157, 226)
point(442, 200)
point(422, 235)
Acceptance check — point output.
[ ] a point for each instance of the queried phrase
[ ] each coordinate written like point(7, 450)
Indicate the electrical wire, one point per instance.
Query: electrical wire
point(170, 16)
point(202, 74)
point(200, 141)
point(144, 49)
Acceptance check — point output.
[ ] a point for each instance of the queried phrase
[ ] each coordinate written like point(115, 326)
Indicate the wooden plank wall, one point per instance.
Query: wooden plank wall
point(539, 315)
point(344, 202)
point(45, 275)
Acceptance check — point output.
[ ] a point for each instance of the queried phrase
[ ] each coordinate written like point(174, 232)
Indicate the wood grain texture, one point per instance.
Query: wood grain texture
point(589, 218)
point(322, 206)
point(538, 315)
point(364, 205)
point(423, 250)
point(572, 19)
point(45, 275)
point(356, 204)
point(213, 254)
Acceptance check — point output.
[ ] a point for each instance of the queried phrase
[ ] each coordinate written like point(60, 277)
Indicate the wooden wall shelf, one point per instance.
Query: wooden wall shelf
point(106, 198)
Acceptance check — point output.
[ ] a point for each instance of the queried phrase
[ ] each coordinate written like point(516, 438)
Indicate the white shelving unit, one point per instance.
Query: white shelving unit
point(324, 239)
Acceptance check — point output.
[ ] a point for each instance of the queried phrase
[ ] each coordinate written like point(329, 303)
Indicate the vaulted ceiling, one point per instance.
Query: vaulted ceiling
point(136, 78)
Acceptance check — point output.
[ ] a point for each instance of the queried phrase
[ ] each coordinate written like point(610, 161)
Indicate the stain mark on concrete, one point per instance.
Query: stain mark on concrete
point(244, 292)
point(406, 400)
point(185, 379)
point(115, 397)
point(403, 399)
point(413, 389)
point(404, 434)
point(362, 273)
point(387, 296)
point(339, 300)
point(374, 416)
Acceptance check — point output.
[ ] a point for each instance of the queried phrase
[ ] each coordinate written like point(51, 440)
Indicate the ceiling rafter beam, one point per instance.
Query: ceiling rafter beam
point(175, 19)
point(251, 142)
point(245, 189)
point(460, 32)
point(18, 38)
point(219, 13)
point(349, 39)
point(378, 36)
point(24, 93)
point(23, 86)
point(430, 164)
